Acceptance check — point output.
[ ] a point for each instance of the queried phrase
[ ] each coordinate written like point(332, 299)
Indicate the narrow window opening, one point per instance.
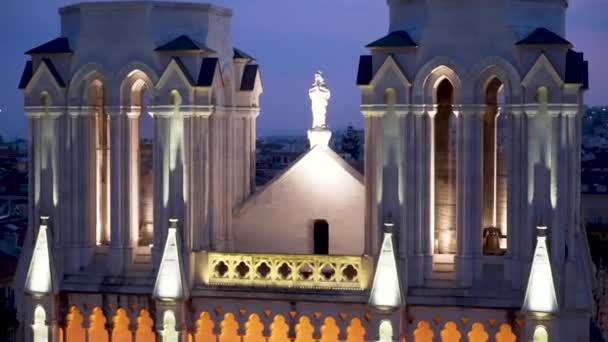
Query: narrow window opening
point(146, 166)
point(97, 103)
point(445, 170)
point(321, 237)
point(494, 181)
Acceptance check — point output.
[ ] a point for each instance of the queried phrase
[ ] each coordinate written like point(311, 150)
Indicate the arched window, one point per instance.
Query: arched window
point(444, 154)
point(39, 328)
point(142, 149)
point(494, 181)
point(45, 101)
point(102, 166)
point(385, 331)
point(169, 333)
point(541, 334)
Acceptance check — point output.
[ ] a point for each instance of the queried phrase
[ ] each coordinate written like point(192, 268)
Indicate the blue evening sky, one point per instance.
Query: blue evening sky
point(290, 39)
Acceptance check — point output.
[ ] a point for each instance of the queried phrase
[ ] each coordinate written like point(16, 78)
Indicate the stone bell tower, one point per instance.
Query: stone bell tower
point(472, 117)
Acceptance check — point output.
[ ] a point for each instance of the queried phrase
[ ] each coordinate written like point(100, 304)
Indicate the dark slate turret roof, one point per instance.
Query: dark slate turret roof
point(205, 76)
point(28, 72)
point(543, 36)
point(183, 43)
point(577, 69)
point(57, 45)
point(250, 74)
point(183, 69)
point(393, 39)
point(365, 72)
point(240, 54)
point(26, 76)
point(54, 72)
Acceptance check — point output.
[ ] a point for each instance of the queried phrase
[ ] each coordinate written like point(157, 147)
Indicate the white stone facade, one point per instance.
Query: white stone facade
point(472, 118)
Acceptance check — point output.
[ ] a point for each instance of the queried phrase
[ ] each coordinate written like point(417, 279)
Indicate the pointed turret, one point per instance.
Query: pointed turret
point(386, 289)
point(39, 278)
point(170, 280)
point(540, 293)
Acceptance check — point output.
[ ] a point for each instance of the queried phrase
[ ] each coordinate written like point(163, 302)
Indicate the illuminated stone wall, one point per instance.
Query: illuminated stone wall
point(320, 185)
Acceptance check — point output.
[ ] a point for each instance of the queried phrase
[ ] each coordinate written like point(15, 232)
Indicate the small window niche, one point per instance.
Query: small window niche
point(321, 237)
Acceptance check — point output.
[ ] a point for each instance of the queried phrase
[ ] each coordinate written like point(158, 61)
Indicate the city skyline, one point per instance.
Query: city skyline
point(313, 40)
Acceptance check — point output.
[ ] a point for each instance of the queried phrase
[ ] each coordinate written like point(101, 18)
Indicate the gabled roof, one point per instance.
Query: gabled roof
point(207, 72)
point(386, 288)
point(543, 36)
point(394, 39)
point(57, 45)
point(250, 75)
point(27, 74)
point(307, 157)
point(183, 43)
point(183, 69)
point(365, 72)
point(170, 280)
point(540, 292)
point(240, 54)
point(577, 69)
point(39, 278)
point(54, 72)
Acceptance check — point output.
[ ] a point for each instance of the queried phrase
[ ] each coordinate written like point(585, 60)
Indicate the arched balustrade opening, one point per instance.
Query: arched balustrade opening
point(304, 330)
point(74, 330)
point(145, 327)
point(505, 334)
point(329, 330)
point(254, 330)
point(120, 327)
point(97, 326)
point(355, 331)
point(204, 328)
point(423, 332)
point(450, 333)
point(230, 328)
point(478, 333)
point(279, 330)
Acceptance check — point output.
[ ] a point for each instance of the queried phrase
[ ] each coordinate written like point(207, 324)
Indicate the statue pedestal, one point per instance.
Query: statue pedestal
point(319, 136)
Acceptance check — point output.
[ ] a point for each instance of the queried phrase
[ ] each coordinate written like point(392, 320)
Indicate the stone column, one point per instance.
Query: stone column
point(468, 189)
point(413, 143)
point(425, 123)
point(199, 180)
point(529, 186)
point(372, 176)
point(119, 196)
point(516, 196)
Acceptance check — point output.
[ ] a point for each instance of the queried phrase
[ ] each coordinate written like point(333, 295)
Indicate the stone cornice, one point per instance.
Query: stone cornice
point(41, 111)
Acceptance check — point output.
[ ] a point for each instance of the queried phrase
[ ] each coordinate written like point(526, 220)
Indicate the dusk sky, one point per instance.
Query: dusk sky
point(291, 40)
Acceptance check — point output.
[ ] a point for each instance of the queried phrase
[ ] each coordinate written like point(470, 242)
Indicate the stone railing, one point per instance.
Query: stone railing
point(351, 273)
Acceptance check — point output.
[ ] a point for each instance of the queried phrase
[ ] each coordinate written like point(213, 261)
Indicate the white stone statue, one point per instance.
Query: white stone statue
point(319, 96)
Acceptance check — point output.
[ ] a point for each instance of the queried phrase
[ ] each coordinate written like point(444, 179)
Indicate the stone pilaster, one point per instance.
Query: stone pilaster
point(468, 189)
point(516, 194)
point(119, 191)
point(372, 176)
point(426, 126)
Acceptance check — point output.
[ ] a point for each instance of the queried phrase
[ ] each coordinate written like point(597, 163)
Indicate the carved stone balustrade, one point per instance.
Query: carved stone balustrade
point(320, 272)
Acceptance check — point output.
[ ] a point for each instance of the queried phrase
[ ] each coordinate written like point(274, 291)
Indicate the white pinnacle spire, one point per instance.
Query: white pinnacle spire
point(540, 294)
point(39, 275)
point(170, 279)
point(386, 290)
